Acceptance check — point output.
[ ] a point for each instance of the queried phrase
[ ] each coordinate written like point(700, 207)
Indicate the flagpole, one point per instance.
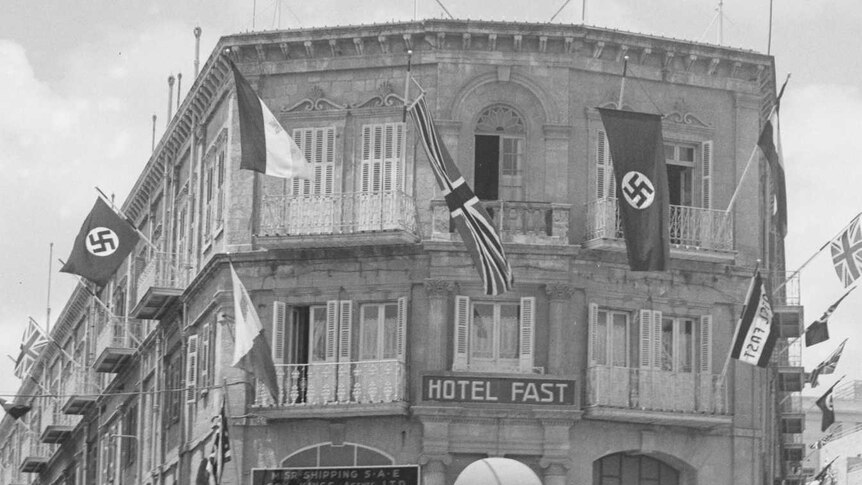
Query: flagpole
point(407, 86)
point(120, 212)
point(90, 291)
point(623, 82)
point(48, 305)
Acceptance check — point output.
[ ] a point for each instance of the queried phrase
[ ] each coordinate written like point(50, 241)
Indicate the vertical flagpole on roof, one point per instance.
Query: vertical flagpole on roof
point(48, 306)
point(623, 82)
point(407, 86)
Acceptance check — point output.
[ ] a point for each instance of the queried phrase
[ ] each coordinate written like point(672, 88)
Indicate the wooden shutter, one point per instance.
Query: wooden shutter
point(331, 330)
point(646, 347)
point(527, 330)
point(656, 339)
point(366, 162)
point(706, 344)
point(605, 180)
point(345, 320)
point(393, 156)
point(594, 339)
point(706, 174)
point(205, 361)
point(279, 330)
point(462, 321)
point(401, 336)
point(191, 367)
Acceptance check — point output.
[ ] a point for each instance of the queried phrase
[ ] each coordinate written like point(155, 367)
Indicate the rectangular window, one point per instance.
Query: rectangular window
point(378, 331)
point(318, 146)
point(610, 342)
point(382, 162)
point(494, 336)
point(679, 159)
point(130, 431)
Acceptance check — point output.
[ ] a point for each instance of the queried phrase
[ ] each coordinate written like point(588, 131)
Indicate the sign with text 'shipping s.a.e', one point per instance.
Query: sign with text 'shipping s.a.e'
point(359, 475)
point(499, 390)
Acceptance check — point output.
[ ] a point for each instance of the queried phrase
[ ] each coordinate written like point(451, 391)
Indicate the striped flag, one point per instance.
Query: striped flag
point(472, 220)
point(266, 146)
point(770, 143)
point(755, 337)
point(220, 450)
point(827, 366)
point(818, 331)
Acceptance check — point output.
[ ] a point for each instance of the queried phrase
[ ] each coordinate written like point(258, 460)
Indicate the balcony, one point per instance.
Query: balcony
point(118, 341)
point(367, 387)
point(694, 231)
point(34, 455)
point(350, 219)
point(159, 286)
point(56, 426)
point(82, 390)
point(656, 396)
point(541, 223)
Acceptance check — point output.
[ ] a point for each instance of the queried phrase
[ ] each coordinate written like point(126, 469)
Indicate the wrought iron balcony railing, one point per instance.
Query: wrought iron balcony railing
point(518, 221)
point(346, 213)
point(118, 340)
point(333, 383)
point(691, 228)
point(656, 390)
point(81, 389)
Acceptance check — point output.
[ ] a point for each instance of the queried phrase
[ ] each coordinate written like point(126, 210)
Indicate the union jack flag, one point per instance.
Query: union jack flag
point(472, 220)
point(32, 344)
point(847, 253)
point(220, 451)
point(827, 366)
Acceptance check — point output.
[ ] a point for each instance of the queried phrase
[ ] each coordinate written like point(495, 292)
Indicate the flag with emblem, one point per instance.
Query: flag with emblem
point(827, 407)
point(251, 351)
point(33, 342)
point(755, 338)
point(266, 147)
point(14, 410)
point(770, 144)
point(827, 366)
point(818, 331)
point(104, 241)
point(471, 219)
point(220, 447)
point(637, 149)
point(847, 253)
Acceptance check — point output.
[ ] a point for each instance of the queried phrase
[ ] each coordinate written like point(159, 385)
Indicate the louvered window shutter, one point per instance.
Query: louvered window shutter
point(401, 337)
point(656, 340)
point(345, 320)
point(205, 362)
point(528, 319)
point(279, 328)
point(706, 344)
point(605, 180)
point(595, 338)
point(366, 163)
point(462, 321)
point(646, 329)
point(191, 367)
point(331, 330)
point(706, 177)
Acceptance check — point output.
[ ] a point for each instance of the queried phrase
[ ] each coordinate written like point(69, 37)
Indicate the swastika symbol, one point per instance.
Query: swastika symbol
point(102, 241)
point(638, 190)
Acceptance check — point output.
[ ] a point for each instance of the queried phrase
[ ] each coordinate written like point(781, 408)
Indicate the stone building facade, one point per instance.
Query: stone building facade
point(387, 351)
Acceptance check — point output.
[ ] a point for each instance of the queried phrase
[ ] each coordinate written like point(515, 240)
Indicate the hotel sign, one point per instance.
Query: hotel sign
point(499, 390)
point(360, 475)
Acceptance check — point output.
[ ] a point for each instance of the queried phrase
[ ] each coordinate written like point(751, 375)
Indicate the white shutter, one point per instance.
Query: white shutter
point(279, 329)
point(528, 319)
point(366, 163)
point(706, 344)
point(345, 320)
point(331, 330)
point(191, 367)
point(462, 320)
point(646, 325)
point(656, 339)
point(605, 180)
point(594, 338)
point(401, 336)
point(204, 361)
point(706, 174)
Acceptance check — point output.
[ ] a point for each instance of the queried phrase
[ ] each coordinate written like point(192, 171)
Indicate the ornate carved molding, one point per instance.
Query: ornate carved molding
point(439, 288)
point(682, 114)
point(559, 291)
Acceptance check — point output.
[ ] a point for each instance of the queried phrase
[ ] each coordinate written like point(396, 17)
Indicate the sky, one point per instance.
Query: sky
point(80, 81)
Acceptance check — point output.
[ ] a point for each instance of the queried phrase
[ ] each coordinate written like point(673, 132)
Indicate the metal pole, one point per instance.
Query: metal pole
point(48, 311)
point(623, 82)
point(769, 41)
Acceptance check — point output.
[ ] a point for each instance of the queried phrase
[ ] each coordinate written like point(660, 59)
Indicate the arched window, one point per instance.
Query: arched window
point(625, 469)
point(329, 455)
point(499, 155)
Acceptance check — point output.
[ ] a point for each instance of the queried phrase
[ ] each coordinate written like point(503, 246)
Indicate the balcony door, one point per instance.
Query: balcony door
point(381, 176)
point(499, 155)
point(381, 351)
point(311, 207)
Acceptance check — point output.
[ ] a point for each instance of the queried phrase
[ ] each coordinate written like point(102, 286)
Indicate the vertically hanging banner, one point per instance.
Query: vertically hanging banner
point(637, 151)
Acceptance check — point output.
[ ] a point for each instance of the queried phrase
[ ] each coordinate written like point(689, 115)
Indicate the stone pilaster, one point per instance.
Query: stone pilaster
point(560, 295)
point(434, 468)
point(437, 329)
